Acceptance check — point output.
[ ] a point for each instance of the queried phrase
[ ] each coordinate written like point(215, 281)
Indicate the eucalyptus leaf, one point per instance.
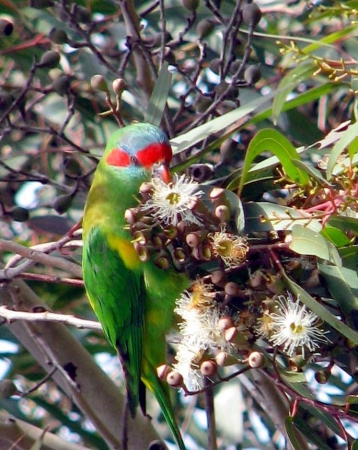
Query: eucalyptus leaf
point(192, 137)
point(288, 83)
point(261, 216)
point(291, 433)
point(342, 284)
point(310, 434)
point(347, 137)
point(336, 236)
point(159, 96)
point(349, 257)
point(307, 242)
point(274, 142)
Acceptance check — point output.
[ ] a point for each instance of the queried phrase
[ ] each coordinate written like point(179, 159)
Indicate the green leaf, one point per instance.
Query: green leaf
point(336, 236)
point(342, 284)
point(311, 171)
point(307, 242)
point(261, 216)
point(349, 257)
point(192, 137)
point(291, 433)
point(159, 96)
point(344, 223)
point(301, 99)
point(274, 142)
point(347, 137)
point(320, 310)
point(310, 434)
point(288, 83)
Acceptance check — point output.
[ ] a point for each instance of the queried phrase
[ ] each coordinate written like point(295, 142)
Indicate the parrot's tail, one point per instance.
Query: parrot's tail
point(161, 393)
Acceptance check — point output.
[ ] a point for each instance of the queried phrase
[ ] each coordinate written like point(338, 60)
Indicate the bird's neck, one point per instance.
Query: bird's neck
point(112, 192)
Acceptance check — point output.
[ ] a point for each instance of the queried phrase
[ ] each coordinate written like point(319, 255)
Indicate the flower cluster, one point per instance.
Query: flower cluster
point(179, 230)
point(202, 332)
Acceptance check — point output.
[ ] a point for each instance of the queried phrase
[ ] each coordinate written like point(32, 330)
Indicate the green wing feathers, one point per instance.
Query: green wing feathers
point(115, 295)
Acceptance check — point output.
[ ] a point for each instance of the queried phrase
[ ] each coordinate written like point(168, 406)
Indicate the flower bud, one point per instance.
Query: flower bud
point(215, 65)
point(228, 150)
point(192, 239)
point(256, 360)
point(191, 5)
point(225, 323)
point(72, 167)
point(58, 36)
point(19, 214)
point(221, 88)
point(63, 203)
point(251, 14)
point(256, 279)
point(223, 213)
point(49, 60)
point(61, 85)
point(202, 103)
point(99, 83)
point(217, 277)
point(230, 334)
point(82, 15)
point(224, 359)
point(163, 371)
point(204, 28)
point(252, 74)
point(208, 368)
point(217, 194)
point(118, 86)
point(174, 379)
point(232, 289)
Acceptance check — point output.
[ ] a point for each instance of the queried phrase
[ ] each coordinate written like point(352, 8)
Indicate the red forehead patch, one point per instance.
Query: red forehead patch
point(154, 153)
point(118, 158)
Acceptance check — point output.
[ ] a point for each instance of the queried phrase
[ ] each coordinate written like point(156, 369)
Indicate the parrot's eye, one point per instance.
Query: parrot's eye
point(134, 160)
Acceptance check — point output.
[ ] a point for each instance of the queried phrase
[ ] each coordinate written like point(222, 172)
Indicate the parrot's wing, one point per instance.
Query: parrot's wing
point(115, 291)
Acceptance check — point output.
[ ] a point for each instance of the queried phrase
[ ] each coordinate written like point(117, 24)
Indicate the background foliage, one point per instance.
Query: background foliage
point(265, 107)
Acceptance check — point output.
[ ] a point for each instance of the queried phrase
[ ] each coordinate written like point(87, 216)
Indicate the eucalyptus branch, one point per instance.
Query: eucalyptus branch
point(46, 316)
point(39, 257)
point(131, 20)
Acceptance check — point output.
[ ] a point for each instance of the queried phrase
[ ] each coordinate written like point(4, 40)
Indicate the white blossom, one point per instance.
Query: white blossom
point(293, 326)
point(173, 202)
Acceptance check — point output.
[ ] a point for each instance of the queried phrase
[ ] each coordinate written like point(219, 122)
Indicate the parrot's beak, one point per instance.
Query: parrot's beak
point(164, 173)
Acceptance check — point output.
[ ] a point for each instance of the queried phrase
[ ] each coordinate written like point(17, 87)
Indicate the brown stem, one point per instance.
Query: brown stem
point(210, 415)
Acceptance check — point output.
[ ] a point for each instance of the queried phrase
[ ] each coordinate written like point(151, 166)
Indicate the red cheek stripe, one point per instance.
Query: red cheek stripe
point(154, 153)
point(118, 158)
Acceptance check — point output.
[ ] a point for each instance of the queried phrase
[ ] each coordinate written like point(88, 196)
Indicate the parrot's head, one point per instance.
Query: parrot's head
point(139, 148)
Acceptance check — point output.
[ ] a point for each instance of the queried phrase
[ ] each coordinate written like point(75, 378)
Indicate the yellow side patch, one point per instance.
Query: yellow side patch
point(125, 250)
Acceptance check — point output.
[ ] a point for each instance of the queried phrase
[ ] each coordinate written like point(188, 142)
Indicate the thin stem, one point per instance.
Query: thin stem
point(210, 415)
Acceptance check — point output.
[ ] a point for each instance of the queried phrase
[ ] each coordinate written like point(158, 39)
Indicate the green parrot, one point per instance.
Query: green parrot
point(133, 300)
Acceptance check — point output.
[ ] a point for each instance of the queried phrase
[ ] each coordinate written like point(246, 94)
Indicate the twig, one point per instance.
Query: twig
point(210, 415)
point(47, 316)
point(40, 383)
point(39, 257)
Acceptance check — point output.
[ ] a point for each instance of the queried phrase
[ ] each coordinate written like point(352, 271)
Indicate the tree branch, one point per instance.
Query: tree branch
point(46, 316)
